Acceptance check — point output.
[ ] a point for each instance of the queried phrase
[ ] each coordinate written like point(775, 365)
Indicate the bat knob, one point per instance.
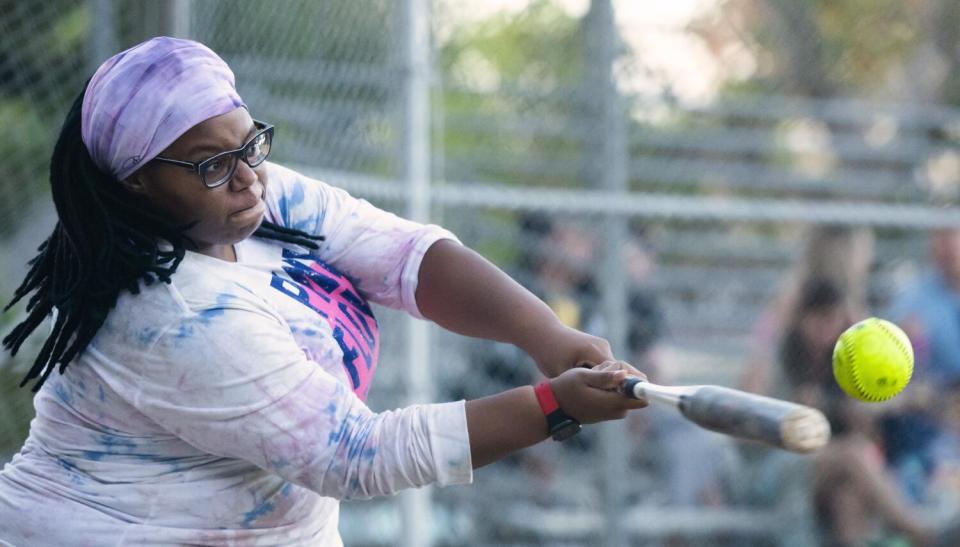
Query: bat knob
point(628, 385)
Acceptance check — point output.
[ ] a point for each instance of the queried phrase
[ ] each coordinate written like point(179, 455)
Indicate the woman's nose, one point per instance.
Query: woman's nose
point(243, 177)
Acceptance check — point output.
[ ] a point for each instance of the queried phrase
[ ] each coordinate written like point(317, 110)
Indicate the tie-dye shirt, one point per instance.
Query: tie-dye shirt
point(227, 408)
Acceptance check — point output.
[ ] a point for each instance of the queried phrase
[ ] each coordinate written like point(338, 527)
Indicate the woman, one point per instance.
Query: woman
point(855, 498)
point(224, 403)
point(821, 314)
point(838, 254)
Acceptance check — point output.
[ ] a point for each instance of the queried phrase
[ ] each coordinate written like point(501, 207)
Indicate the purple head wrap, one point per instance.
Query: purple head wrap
point(142, 99)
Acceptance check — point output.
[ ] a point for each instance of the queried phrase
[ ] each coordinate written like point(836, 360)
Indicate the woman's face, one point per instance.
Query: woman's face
point(821, 328)
point(219, 216)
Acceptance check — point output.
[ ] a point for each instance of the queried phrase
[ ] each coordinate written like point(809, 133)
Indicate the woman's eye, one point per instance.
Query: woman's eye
point(214, 166)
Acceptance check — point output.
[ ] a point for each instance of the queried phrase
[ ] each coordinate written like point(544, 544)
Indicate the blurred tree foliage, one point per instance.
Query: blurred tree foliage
point(39, 76)
point(531, 124)
point(885, 49)
point(42, 67)
point(511, 109)
point(334, 30)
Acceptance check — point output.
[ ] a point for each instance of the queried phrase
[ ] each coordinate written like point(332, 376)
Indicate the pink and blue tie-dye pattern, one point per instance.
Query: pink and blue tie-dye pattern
point(219, 410)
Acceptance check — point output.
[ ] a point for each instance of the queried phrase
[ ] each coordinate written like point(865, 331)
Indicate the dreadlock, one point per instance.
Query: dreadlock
point(103, 243)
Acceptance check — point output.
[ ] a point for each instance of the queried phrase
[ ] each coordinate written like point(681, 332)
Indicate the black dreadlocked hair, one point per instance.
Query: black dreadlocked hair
point(104, 242)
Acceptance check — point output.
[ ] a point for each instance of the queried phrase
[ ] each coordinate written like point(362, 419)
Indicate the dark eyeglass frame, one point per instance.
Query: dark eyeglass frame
point(238, 154)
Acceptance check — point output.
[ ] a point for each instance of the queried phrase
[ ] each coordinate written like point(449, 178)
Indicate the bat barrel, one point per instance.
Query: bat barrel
point(779, 423)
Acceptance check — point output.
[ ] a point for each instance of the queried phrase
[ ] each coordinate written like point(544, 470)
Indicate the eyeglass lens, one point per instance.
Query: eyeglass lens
point(222, 167)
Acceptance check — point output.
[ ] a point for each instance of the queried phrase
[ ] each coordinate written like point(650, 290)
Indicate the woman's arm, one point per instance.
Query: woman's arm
point(452, 285)
point(465, 293)
point(511, 420)
point(236, 384)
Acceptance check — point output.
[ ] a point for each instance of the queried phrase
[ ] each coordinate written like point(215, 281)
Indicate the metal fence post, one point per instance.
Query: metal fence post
point(611, 168)
point(103, 42)
point(414, 140)
point(176, 18)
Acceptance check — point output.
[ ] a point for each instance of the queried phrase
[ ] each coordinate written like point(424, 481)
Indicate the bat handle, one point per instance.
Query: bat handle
point(637, 388)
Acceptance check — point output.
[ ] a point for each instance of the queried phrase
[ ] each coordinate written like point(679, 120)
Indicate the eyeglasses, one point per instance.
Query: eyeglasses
point(218, 169)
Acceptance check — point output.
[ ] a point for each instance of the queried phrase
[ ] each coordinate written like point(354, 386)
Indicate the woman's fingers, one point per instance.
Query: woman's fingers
point(604, 376)
point(622, 369)
point(621, 365)
point(591, 395)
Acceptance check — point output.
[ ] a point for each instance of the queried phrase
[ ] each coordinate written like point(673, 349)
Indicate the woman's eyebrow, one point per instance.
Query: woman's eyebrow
point(217, 149)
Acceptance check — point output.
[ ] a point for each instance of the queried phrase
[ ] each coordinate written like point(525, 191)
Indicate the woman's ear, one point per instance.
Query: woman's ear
point(135, 183)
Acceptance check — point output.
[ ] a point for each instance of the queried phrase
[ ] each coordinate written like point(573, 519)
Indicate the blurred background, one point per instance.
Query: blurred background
point(719, 187)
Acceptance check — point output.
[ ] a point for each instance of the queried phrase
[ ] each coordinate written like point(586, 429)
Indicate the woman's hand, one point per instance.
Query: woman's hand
point(505, 422)
point(561, 348)
point(590, 395)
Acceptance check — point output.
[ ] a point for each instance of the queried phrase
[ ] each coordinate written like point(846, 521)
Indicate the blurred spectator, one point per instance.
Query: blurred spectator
point(806, 349)
point(557, 266)
point(691, 467)
point(837, 254)
point(647, 324)
point(554, 263)
point(928, 309)
point(856, 499)
point(645, 329)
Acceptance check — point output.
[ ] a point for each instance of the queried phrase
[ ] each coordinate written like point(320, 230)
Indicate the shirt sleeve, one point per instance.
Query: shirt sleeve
point(379, 251)
point(232, 382)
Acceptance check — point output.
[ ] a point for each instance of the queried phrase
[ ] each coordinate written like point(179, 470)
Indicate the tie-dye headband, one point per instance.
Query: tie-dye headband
point(141, 100)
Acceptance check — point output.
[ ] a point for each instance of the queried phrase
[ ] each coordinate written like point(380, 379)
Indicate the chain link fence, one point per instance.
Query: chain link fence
point(561, 140)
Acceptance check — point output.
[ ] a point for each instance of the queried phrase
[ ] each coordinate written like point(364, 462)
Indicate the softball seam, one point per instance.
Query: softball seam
point(908, 355)
point(858, 382)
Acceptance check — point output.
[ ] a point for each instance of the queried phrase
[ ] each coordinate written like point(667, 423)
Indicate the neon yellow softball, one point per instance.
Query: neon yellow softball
point(873, 360)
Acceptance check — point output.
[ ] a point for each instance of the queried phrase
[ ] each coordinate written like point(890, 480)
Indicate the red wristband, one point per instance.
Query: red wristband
point(548, 402)
point(559, 424)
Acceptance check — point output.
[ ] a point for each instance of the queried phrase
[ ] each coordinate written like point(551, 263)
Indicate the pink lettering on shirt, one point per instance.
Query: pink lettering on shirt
point(332, 295)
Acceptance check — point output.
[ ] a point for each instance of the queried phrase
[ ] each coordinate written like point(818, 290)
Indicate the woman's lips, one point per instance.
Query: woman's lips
point(257, 206)
point(258, 201)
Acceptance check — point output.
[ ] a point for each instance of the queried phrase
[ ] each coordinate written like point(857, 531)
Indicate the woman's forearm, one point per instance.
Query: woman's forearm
point(463, 292)
point(504, 423)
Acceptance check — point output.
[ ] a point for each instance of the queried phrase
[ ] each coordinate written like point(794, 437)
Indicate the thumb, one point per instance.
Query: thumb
point(604, 379)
